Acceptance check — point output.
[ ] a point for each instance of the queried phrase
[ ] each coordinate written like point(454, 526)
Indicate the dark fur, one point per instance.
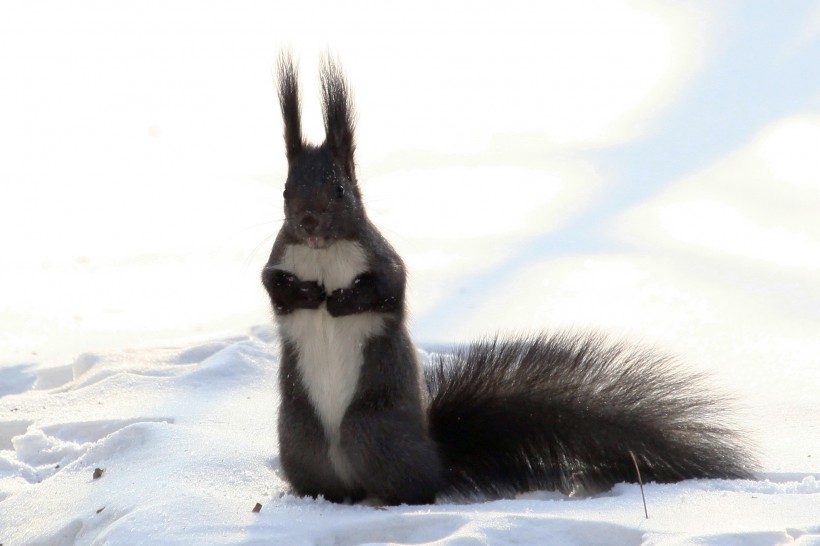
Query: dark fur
point(565, 411)
point(289, 103)
point(384, 431)
point(560, 412)
point(338, 115)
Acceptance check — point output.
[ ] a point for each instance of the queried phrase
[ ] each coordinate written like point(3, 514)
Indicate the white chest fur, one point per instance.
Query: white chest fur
point(330, 349)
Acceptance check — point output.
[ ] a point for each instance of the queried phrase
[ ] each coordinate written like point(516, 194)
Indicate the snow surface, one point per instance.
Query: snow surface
point(654, 176)
point(185, 438)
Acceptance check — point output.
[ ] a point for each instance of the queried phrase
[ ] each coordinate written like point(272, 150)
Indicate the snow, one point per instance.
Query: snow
point(649, 171)
point(186, 441)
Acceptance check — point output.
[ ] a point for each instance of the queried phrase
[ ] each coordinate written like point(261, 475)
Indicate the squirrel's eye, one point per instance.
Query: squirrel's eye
point(340, 191)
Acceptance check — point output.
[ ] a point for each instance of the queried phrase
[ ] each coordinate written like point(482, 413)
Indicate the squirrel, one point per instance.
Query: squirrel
point(360, 418)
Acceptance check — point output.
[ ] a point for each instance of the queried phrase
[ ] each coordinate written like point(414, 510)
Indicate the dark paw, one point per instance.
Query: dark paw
point(341, 302)
point(288, 293)
point(361, 296)
point(310, 295)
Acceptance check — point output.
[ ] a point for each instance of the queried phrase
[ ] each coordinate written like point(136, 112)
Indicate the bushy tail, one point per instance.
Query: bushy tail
point(566, 412)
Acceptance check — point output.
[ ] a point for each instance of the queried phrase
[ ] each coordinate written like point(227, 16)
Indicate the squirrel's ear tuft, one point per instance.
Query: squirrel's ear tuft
point(337, 109)
point(289, 102)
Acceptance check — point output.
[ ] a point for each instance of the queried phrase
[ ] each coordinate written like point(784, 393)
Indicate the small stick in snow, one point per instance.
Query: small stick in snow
point(640, 482)
point(257, 508)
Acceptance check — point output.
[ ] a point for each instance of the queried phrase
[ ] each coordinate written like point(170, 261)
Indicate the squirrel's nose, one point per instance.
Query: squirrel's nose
point(309, 223)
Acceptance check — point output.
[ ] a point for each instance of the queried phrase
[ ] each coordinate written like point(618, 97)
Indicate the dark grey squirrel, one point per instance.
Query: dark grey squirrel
point(361, 418)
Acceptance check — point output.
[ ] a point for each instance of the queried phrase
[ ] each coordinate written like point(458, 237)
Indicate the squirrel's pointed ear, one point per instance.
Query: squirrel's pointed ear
point(289, 103)
point(337, 109)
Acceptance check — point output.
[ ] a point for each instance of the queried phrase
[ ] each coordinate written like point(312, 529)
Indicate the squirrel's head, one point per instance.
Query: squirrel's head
point(322, 199)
